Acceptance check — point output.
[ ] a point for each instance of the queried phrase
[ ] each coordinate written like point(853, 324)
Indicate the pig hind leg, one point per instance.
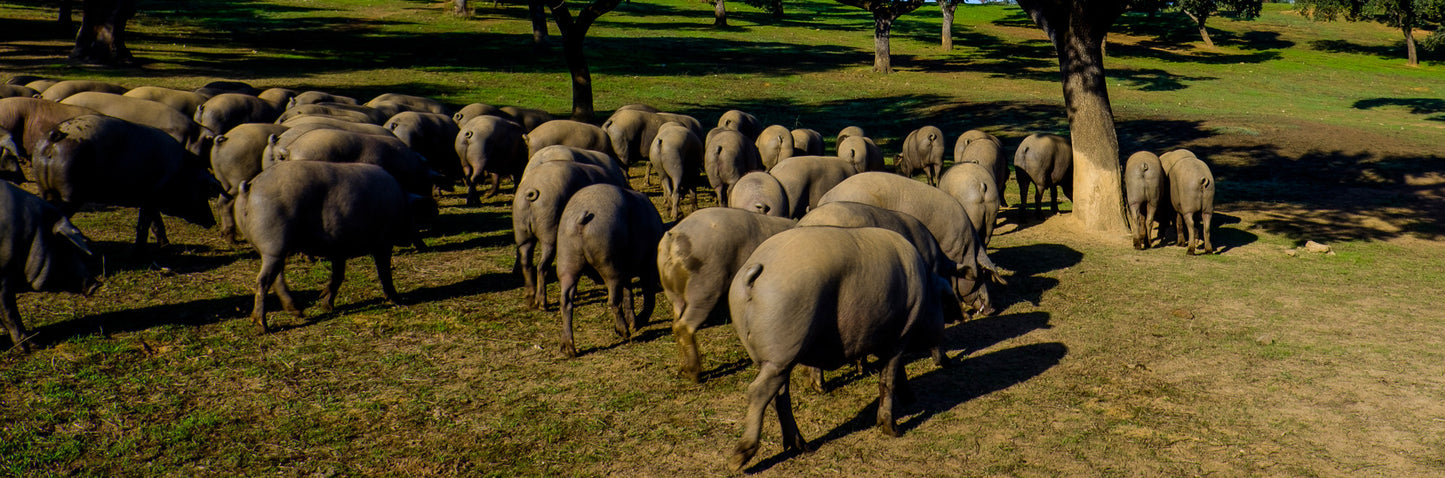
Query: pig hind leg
point(772, 377)
point(10, 315)
point(338, 275)
point(383, 275)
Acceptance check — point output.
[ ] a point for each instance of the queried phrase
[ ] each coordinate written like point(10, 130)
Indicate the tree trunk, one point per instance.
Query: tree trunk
point(882, 28)
point(1203, 32)
point(573, 34)
point(460, 8)
point(536, 10)
point(719, 13)
point(777, 9)
point(102, 32)
point(947, 6)
point(1077, 29)
point(1410, 46)
point(64, 18)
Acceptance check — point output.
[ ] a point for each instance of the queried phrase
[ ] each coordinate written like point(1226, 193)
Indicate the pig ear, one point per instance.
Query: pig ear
point(967, 272)
point(56, 136)
point(64, 228)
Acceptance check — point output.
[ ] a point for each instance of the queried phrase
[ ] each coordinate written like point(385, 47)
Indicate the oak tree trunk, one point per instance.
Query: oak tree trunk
point(776, 7)
point(573, 34)
point(948, 6)
point(102, 32)
point(719, 13)
point(460, 8)
point(1410, 46)
point(1077, 29)
point(536, 10)
point(64, 18)
point(882, 28)
point(1203, 32)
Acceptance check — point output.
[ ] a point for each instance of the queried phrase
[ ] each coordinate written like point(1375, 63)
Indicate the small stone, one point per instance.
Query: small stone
point(1316, 247)
point(1331, 253)
point(1182, 314)
point(1264, 340)
point(1291, 252)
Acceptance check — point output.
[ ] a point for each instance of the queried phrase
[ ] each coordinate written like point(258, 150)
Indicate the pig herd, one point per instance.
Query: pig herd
point(818, 260)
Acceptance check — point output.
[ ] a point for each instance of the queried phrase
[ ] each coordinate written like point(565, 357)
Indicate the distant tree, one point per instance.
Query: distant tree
point(774, 7)
point(1407, 15)
point(948, 7)
point(574, 31)
point(1199, 11)
point(1077, 29)
point(459, 8)
point(719, 13)
point(102, 32)
point(884, 13)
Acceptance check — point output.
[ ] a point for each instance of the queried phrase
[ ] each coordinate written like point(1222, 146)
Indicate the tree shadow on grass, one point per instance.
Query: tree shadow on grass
point(1027, 262)
point(193, 313)
point(1393, 50)
point(1434, 108)
point(944, 389)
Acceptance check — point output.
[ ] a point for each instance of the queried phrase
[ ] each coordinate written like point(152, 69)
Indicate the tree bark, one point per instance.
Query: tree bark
point(719, 13)
point(537, 10)
point(1077, 30)
point(777, 9)
point(64, 18)
point(1203, 32)
point(1410, 46)
point(102, 32)
point(460, 8)
point(882, 29)
point(573, 34)
point(947, 6)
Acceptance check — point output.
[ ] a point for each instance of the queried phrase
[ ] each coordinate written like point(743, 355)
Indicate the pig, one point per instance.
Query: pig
point(613, 232)
point(222, 112)
point(568, 133)
point(433, 136)
point(696, 260)
point(945, 218)
point(353, 113)
point(974, 146)
point(741, 122)
point(146, 112)
point(314, 97)
point(307, 122)
point(922, 151)
point(29, 120)
point(1145, 188)
point(578, 155)
point(490, 146)
point(855, 215)
point(529, 118)
point(677, 154)
point(862, 152)
point(462, 116)
point(408, 103)
point(278, 97)
point(806, 178)
point(774, 144)
point(95, 158)
point(337, 146)
point(536, 210)
point(11, 91)
point(185, 102)
point(1047, 161)
point(64, 89)
point(794, 303)
point(727, 156)
point(1191, 191)
point(760, 192)
point(227, 86)
point(632, 132)
point(807, 142)
point(846, 132)
point(332, 210)
point(236, 157)
point(40, 250)
point(974, 188)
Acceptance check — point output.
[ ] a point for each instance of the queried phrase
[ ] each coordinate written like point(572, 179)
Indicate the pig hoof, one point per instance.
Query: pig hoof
point(741, 455)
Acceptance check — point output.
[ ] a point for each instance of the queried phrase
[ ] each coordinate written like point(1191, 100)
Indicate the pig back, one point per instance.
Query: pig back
point(322, 209)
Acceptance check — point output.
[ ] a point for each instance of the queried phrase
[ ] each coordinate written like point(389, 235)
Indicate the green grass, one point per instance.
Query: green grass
point(1103, 360)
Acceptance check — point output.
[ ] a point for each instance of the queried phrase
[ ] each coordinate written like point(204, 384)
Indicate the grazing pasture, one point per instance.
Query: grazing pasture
point(1102, 360)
